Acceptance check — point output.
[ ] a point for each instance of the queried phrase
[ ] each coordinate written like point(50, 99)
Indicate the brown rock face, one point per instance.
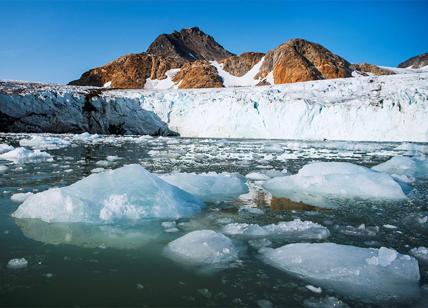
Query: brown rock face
point(365, 68)
point(130, 71)
point(415, 62)
point(188, 44)
point(301, 60)
point(198, 74)
point(240, 65)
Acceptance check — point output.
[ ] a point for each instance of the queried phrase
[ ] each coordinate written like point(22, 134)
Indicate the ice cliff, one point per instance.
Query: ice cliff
point(384, 108)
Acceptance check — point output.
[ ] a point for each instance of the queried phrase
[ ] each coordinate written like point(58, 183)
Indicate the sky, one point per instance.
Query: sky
point(57, 40)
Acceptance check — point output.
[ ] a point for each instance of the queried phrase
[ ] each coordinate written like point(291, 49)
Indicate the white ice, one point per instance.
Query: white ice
point(23, 155)
point(322, 183)
point(295, 229)
point(203, 247)
point(399, 166)
point(130, 193)
point(17, 263)
point(210, 187)
point(365, 273)
point(44, 142)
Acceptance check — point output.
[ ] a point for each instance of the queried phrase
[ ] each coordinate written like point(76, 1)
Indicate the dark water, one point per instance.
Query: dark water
point(84, 265)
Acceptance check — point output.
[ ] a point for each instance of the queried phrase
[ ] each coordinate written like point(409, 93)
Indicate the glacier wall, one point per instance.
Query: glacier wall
point(384, 108)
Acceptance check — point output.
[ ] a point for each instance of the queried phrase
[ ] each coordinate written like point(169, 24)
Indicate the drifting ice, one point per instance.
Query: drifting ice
point(23, 155)
point(416, 167)
point(210, 187)
point(366, 273)
point(295, 229)
point(317, 183)
point(44, 143)
point(203, 247)
point(129, 193)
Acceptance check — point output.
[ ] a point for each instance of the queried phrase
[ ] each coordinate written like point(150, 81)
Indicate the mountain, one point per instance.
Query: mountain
point(191, 58)
point(188, 45)
point(415, 62)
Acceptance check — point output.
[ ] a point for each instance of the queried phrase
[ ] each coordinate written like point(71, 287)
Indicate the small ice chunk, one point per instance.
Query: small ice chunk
point(102, 163)
point(23, 155)
point(129, 193)
point(350, 270)
point(5, 148)
point(314, 289)
point(44, 142)
point(325, 302)
point(420, 253)
point(17, 263)
point(168, 224)
point(203, 247)
point(387, 226)
point(296, 229)
point(3, 168)
point(264, 303)
point(97, 170)
point(20, 197)
point(323, 183)
point(210, 187)
point(113, 158)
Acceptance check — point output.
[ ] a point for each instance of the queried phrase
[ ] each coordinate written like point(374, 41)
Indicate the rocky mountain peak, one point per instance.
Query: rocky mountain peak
point(188, 45)
point(415, 62)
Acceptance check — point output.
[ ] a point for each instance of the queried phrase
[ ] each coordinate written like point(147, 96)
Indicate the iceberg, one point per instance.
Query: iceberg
point(323, 184)
point(203, 247)
point(295, 229)
point(210, 187)
point(369, 274)
point(23, 155)
point(420, 253)
point(128, 194)
point(398, 166)
point(17, 263)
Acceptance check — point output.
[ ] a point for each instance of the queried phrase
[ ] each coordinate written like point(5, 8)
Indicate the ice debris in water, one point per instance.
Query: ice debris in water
point(210, 187)
point(129, 193)
point(259, 243)
point(203, 247)
point(366, 273)
point(321, 182)
point(420, 253)
point(361, 230)
point(113, 158)
point(324, 302)
point(296, 229)
point(3, 168)
point(17, 263)
point(405, 168)
point(20, 197)
point(5, 148)
point(23, 155)
point(44, 142)
point(264, 175)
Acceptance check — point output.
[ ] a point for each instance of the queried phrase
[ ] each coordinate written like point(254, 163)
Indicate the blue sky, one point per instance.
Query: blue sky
point(57, 40)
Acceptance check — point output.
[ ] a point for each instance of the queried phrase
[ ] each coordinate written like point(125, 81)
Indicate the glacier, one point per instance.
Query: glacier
point(374, 108)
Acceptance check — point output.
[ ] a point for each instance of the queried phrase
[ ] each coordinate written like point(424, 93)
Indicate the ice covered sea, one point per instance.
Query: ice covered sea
point(240, 254)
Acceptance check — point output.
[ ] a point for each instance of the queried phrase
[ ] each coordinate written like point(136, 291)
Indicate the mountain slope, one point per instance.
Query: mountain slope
point(415, 62)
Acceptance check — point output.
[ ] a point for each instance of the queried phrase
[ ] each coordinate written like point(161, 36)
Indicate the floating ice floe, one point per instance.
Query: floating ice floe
point(113, 158)
point(295, 229)
point(23, 155)
point(405, 168)
point(203, 247)
point(324, 183)
point(17, 263)
point(324, 302)
point(361, 230)
point(3, 168)
point(129, 193)
point(5, 148)
point(20, 197)
point(210, 187)
point(413, 148)
point(420, 253)
point(368, 274)
point(44, 142)
point(264, 175)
